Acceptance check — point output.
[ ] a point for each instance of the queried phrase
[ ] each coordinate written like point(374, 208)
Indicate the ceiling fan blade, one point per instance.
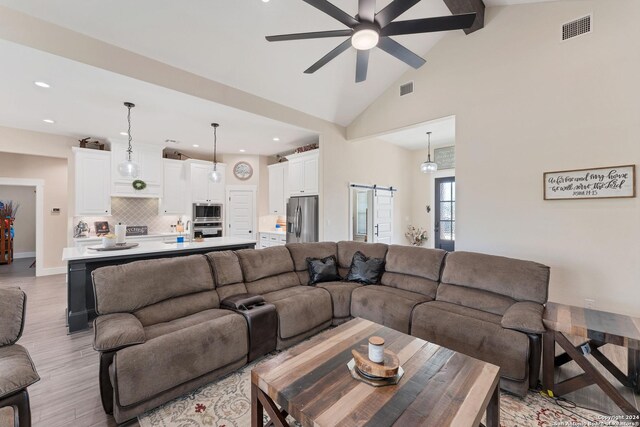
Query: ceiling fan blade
point(334, 11)
point(314, 35)
point(429, 25)
point(393, 10)
point(362, 64)
point(329, 56)
point(394, 48)
point(367, 10)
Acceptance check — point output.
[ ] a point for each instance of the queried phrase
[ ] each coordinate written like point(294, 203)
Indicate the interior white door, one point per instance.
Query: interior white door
point(382, 216)
point(241, 214)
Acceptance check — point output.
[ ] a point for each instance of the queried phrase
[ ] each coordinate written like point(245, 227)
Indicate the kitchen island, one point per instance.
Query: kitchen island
point(81, 261)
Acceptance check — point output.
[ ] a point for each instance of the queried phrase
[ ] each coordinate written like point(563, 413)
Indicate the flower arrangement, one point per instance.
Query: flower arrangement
point(416, 235)
point(8, 209)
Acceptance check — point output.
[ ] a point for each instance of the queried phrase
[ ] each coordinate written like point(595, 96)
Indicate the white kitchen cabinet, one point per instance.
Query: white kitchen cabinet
point(278, 188)
point(270, 239)
point(202, 189)
point(92, 177)
point(304, 173)
point(173, 201)
point(149, 158)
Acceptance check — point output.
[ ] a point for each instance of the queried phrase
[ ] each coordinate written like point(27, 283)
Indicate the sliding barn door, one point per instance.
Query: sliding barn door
point(382, 216)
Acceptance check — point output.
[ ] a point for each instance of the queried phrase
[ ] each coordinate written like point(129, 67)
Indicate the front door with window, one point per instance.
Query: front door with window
point(445, 219)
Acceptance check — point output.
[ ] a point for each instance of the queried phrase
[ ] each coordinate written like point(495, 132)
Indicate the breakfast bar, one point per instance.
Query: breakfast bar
point(81, 261)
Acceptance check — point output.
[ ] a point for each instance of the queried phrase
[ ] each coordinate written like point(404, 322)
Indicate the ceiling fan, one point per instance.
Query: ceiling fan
point(369, 29)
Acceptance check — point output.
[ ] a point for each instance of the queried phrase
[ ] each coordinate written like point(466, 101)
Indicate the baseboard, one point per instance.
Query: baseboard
point(19, 255)
point(51, 271)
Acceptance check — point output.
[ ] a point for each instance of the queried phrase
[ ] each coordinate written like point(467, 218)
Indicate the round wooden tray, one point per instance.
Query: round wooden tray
point(386, 369)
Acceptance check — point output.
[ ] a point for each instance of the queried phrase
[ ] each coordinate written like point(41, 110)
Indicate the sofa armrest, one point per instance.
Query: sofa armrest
point(13, 302)
point(242, 301)
point(115, 331)
point(524, 316)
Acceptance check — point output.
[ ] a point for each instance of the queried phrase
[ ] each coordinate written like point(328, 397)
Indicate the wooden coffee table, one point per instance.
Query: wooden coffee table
point(312, 383)
point(597, 328)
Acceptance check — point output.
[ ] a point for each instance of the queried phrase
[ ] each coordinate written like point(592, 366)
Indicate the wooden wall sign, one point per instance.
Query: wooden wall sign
point(597, 183)
point(445, 157)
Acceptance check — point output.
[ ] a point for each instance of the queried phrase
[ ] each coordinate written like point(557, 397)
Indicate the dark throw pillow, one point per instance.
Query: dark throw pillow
point(365, 270)
point(323, 270)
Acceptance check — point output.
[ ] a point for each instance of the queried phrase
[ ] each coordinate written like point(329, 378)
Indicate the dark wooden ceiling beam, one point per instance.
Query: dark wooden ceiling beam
point(467, 6)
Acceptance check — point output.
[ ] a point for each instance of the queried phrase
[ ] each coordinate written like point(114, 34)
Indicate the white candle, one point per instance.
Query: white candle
point(376, 349)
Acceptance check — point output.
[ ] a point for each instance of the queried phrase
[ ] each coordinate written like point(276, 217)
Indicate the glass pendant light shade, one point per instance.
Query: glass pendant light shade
point(429, 166)
point(214, 174)
point(129, 168)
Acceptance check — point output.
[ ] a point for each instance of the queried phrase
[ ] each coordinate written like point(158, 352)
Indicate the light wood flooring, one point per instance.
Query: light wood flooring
point(67, 394)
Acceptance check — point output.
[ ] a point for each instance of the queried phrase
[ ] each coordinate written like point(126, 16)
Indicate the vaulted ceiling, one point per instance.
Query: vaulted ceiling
point(223, 40)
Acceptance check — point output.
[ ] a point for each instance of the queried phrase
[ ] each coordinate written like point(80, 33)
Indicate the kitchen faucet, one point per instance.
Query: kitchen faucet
point(188, 230)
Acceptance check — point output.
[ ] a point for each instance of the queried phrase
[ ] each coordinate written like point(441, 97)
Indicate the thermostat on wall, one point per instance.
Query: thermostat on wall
point(55, 211)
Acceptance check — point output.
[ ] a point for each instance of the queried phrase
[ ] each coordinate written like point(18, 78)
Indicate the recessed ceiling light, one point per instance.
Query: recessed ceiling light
point(42, 84)
point(265, 1)
point(124, 134)
point(242, 150)
point(195, 146)
point(49, 121)
point(276, 139)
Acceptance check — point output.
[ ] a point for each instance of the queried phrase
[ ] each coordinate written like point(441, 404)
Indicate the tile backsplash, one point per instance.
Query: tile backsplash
point(133, 211)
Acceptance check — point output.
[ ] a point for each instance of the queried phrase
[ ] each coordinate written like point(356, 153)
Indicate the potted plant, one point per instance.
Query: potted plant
point(416, 235)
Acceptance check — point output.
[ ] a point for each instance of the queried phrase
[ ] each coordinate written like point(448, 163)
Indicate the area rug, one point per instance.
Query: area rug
point(227, 403)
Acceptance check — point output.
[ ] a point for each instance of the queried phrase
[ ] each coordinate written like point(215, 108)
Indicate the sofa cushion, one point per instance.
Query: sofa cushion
point(340, 297)
point(323, 270)
point(173, 358)
point(129, 287)
point(227, 273)
point(347, 249)
point(471, 332)
point(413, 269)
point(365, 270)
point(301, 251)
point(387, 306)
point(16, 370)
point(474, 298)
point(300, 309)
point(524, 316)
point(164, 328)
point(175, 308)
point(117, 330)
point(517, 279)
point(267, 262)
point(13, 303)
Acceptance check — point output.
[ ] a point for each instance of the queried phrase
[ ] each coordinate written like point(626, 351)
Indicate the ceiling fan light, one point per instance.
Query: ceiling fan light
point(429, 167)
point(365, 39)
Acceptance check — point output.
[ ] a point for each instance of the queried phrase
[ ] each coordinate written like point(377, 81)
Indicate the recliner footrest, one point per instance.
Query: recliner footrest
point(262, 322)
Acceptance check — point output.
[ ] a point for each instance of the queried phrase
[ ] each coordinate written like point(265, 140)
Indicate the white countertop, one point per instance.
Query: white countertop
point(146, 236)
point(76, 253)
point(282, 233)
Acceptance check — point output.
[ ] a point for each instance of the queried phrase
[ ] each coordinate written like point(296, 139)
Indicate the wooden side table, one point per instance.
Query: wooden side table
point(598, 328)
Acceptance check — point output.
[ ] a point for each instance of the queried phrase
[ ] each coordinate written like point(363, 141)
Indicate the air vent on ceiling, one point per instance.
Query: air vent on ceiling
point(406, 89)
point(576, 28)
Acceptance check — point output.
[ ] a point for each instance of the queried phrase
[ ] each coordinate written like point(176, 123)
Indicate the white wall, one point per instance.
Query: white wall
point(365, 162)
point(526, 103)
point(24, 242)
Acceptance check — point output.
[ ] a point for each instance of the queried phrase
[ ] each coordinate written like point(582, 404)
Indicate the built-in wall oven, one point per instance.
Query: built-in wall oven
point(207, 212)
point(207, 220)
point(207, 229)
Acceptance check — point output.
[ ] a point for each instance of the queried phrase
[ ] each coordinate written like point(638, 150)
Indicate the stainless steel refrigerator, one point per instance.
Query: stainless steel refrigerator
point(302, 219)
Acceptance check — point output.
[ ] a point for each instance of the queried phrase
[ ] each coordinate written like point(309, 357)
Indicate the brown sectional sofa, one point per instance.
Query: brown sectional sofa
point(161, 330)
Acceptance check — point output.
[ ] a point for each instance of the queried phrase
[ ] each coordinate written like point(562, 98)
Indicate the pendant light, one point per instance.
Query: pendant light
point(214, 173)
point(429, 166)
point(128, 168)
